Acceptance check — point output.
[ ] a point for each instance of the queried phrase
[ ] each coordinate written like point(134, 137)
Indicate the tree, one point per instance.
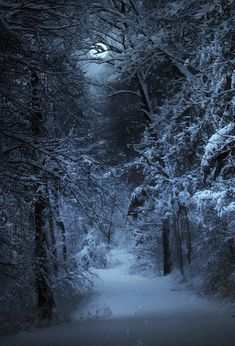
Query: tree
point(37, 153)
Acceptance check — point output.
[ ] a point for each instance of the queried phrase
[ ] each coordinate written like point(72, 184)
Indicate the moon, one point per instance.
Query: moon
point(99, 50)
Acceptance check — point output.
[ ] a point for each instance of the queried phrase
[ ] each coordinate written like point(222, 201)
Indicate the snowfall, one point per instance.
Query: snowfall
point(130, 309)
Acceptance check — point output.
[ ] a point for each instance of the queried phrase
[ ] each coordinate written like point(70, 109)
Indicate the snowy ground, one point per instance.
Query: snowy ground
point(139, 311)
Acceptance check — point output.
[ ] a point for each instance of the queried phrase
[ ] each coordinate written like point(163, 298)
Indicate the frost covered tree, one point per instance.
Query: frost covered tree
point(41, 147)
point(188, 150)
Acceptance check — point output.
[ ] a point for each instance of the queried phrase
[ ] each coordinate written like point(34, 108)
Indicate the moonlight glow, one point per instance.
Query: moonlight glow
point(99, 50)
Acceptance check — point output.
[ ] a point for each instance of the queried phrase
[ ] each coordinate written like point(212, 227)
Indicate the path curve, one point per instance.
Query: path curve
point(132, 310)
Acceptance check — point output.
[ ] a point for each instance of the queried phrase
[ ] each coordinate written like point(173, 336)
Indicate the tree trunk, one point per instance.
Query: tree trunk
point(189, 238)
point(109, 234)
point(145, 96)
point(43, 291)
point(60, 224)
point(53, 241)
point(44, 294)
point(166, 248)
point(178, 245)
point(37, 115)
point(63, 234)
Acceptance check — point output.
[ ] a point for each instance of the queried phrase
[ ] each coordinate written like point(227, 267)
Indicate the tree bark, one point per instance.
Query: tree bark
point(44, 294)
point(189, 237)
point(53, 241)
point(178, 240)
point(166, 248)
point(145, 96)
point(63, 234)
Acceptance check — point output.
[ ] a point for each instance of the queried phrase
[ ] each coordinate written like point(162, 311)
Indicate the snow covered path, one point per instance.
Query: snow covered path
point(131, 310)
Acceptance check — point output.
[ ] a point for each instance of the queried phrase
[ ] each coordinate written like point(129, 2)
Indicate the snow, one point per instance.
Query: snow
point(218, 199)
point(216, 142)
point(129, 309)
point(130, 295)
point(184, 197)
point(137, 192)
point(125, 295)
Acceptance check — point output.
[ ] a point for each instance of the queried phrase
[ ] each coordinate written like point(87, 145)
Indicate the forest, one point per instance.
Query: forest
point(117, 131)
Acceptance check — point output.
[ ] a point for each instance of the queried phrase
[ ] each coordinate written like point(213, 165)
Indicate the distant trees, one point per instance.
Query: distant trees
point(119, 27)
